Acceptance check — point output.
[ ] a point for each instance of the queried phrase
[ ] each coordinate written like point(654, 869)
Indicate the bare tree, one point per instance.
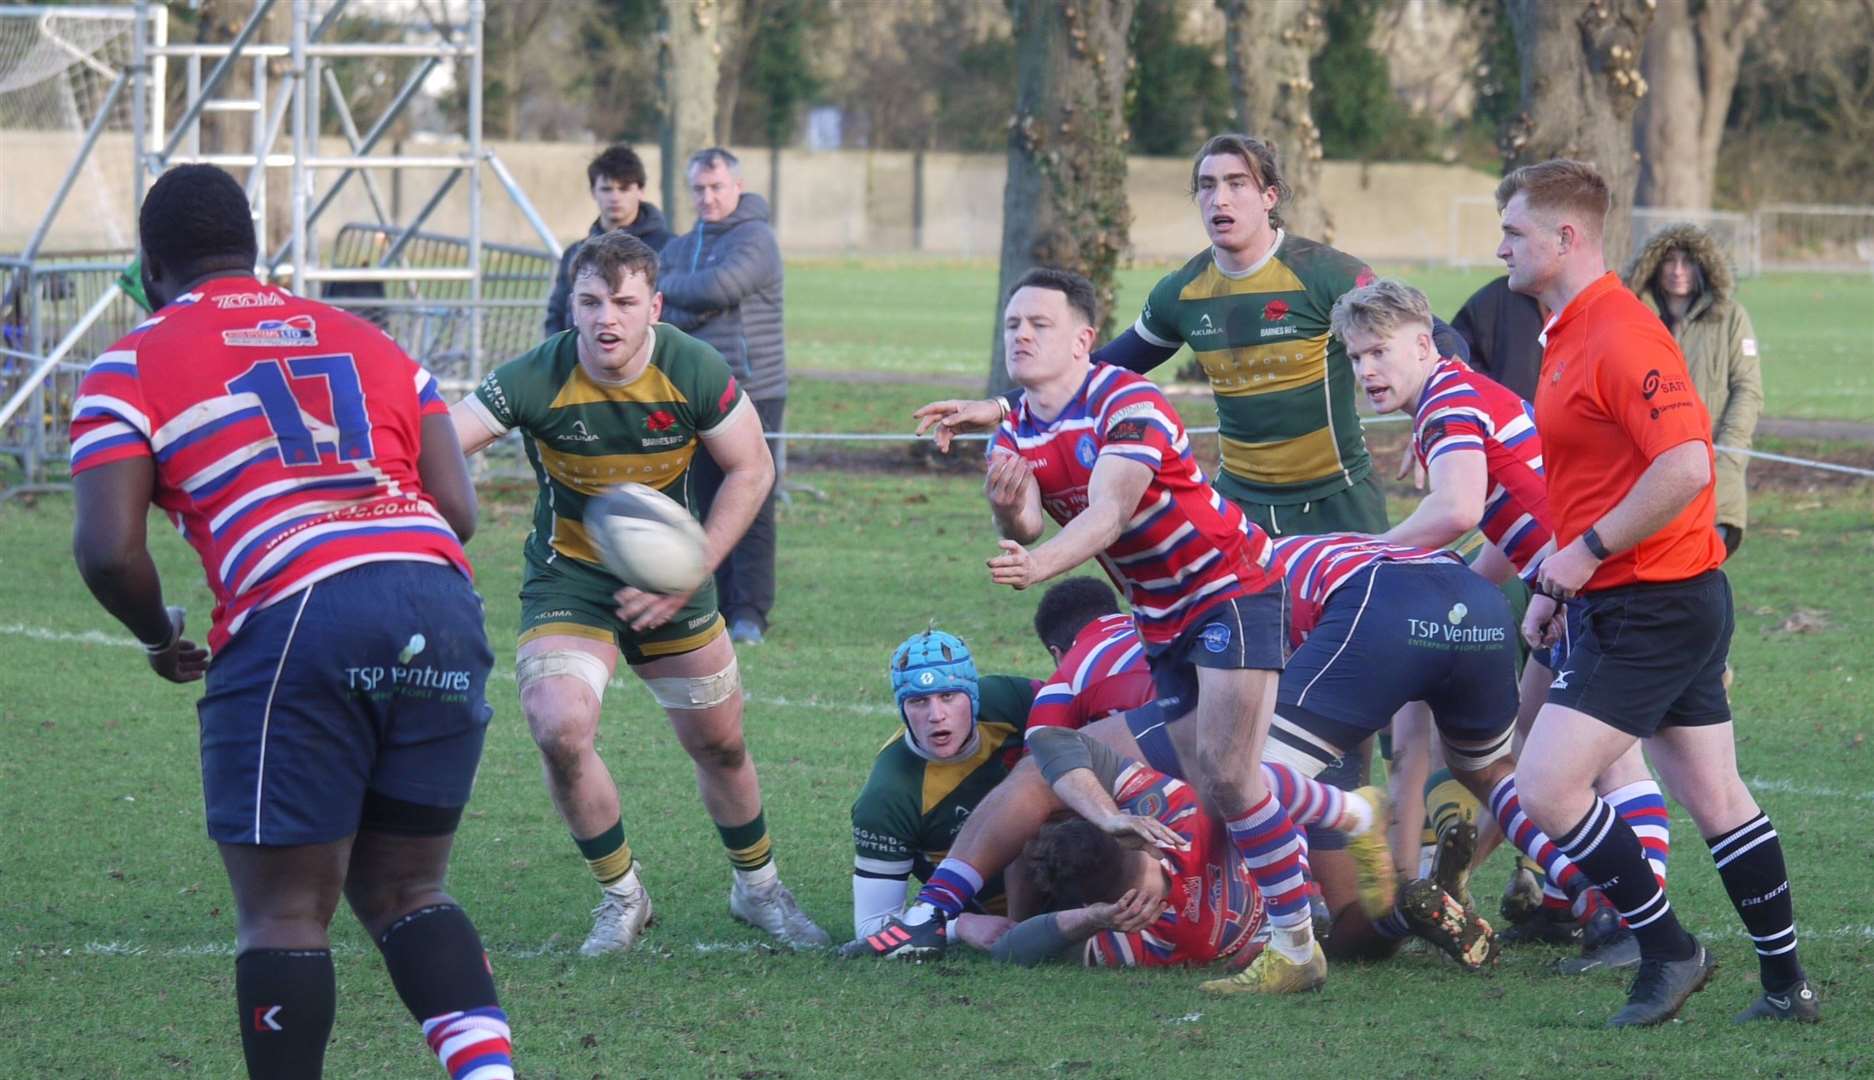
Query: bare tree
point(1267, 47)
point(688, 56)
point(1581, 82)
point(741, 20)
point(1064, 204)
point(1690, 64)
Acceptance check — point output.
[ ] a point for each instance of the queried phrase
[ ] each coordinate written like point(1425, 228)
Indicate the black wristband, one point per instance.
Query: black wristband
point(1592, 541)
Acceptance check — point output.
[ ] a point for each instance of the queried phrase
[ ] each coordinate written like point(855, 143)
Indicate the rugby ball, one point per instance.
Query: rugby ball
point(648, 539)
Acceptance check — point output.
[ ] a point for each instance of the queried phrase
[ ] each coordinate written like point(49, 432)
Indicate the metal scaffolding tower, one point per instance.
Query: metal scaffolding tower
point(434, 289)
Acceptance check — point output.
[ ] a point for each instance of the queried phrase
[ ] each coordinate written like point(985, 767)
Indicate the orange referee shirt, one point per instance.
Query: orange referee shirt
point(1614, 394)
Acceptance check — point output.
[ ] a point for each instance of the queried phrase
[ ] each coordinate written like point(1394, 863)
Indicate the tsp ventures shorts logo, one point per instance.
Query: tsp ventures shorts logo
point(292, 332)
point(1216, 637)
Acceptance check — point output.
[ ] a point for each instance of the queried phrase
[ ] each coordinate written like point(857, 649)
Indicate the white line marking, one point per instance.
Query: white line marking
point(771, 701)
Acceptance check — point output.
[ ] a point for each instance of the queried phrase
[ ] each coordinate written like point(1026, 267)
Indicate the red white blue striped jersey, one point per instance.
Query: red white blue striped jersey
point(285, 434)
point(1184, 547)
point(1462, 410)
point(1317, 565)
point(1214, 907)
point(1103, 672)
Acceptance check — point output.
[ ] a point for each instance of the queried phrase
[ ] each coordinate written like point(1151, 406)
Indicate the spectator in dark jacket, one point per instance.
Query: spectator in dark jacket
point(617, 180)
point(1501, 327)
point(722, 283)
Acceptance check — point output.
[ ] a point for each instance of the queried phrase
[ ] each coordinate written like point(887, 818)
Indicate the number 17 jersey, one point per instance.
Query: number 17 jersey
point(285, 435)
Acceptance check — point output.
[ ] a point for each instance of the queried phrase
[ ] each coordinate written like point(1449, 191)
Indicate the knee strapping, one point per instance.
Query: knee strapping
point(563, 663)
point(692, 692)
point(1473, 755)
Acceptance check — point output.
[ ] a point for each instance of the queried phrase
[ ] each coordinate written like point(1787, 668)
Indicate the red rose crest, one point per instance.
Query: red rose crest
point(1275, 311)
point(659, 421)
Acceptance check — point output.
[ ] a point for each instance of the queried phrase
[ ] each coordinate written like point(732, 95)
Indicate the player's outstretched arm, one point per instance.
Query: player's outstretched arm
point(1113, 493)
point(1082, 773)
point(1044, 937)
point(445, 475)
point(1460, 479)
point(957, 416)
point(110, 544)
point(472, 433)
point(1014, 497)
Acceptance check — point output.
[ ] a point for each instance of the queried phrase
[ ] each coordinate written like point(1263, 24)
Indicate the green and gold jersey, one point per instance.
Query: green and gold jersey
point(584, 436)
point(1286, 413)
point(911, 808)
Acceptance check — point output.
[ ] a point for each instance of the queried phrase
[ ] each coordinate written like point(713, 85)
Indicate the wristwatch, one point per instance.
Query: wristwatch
point(1592, 541)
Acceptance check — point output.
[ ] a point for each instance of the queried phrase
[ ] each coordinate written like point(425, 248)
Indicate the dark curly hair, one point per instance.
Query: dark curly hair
point(197, 217)
point(1068, 606)
point(618, 162)
point(1075, 864)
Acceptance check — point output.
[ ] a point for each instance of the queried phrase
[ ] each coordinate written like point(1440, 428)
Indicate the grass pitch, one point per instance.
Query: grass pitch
point(116, 926)
point(936, 318)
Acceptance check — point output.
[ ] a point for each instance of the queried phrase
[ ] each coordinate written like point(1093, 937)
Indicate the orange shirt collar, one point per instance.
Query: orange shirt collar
point(1583, 300)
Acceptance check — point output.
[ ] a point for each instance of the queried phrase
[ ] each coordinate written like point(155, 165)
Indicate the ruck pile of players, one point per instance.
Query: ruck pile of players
point(1189, 787)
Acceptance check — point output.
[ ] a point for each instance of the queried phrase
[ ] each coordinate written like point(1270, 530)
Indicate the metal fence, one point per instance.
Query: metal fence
point(430, 319)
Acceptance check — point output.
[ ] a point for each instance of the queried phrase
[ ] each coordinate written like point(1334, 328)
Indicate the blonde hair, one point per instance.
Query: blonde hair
point(1380, 309)
point(1559, 184)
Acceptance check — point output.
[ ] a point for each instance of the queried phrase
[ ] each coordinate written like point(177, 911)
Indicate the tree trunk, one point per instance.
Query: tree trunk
point(688, 57)
point(1581, 83)
point(740, 21)
point(1690, 64)
point(1267, 47)
point(1064, 204)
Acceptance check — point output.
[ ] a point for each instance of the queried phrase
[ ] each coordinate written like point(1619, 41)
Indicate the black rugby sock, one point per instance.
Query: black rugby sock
point(286, 998)
point(1750, 860)
point(1609, 853)
point(436, 962)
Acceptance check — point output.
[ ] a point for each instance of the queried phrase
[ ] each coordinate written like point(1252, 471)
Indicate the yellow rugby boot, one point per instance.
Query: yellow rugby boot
point(1373, 856)
point(1273, 973)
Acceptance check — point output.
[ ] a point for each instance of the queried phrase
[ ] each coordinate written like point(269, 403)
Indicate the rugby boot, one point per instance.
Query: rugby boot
point(1436, 916)
point(1613, 953)
point(1273, 973)
point(1662, 987)
point(1522, 897)
point(1549, 926)
point(917, 934)
point(772, 907)
point(620, 917)
point(1372, 855)
point(1318, 913)
point(1451, 866)
point(1798, 1003)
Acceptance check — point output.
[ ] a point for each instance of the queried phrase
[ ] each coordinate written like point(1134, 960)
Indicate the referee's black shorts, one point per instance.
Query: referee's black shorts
point(1650, 656)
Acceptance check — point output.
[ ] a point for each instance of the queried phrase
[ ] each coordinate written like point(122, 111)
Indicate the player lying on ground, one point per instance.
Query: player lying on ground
point(619, 399)
point(1102, 452)
point(962, 734)
point(312, 466)
point(1482, 457)
point(1175, 891)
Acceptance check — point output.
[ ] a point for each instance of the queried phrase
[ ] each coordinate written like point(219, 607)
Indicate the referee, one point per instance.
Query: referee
point(1628, 458)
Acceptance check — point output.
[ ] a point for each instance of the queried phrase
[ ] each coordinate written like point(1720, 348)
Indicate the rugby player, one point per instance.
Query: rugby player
point(313, 468)
point(1482, 455)
point(620, 399)
point(962, 734)
point(1100, 666)
point(1629, 465)
point(1101, 450)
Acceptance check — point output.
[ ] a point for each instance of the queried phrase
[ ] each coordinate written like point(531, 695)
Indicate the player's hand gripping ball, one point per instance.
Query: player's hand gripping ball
point(648, 539)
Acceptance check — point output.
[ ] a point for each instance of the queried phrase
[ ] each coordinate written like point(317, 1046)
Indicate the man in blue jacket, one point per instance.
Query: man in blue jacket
point(722, 283)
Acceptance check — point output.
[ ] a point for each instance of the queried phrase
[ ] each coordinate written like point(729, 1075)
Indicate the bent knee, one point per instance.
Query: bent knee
point(563, 719)
point(720, 754)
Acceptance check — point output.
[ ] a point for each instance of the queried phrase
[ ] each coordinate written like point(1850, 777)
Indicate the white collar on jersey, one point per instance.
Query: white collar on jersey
point(1235, 275)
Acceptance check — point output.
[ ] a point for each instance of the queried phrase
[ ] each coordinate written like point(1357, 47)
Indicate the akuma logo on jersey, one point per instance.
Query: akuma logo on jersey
point(293, 332)
point(1085, 452)
point(1205, 328)
point(578, 434)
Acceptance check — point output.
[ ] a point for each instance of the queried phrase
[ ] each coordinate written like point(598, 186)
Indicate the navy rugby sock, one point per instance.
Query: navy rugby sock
point(1750, 860)
point(1606, 850)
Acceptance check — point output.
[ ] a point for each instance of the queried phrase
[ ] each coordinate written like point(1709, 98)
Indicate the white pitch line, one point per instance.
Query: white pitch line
point(131, 950)
point(770, 701)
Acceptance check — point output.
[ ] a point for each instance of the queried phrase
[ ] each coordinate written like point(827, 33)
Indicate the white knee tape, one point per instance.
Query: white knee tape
point(563, 663)
point(698, 691)
point(1474, 756)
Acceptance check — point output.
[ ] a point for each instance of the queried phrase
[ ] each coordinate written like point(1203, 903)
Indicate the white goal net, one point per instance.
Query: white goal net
point(57, 69)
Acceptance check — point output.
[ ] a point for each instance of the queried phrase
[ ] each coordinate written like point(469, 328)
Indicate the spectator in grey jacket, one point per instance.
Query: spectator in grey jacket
point(617, 180)
point(722, 283)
